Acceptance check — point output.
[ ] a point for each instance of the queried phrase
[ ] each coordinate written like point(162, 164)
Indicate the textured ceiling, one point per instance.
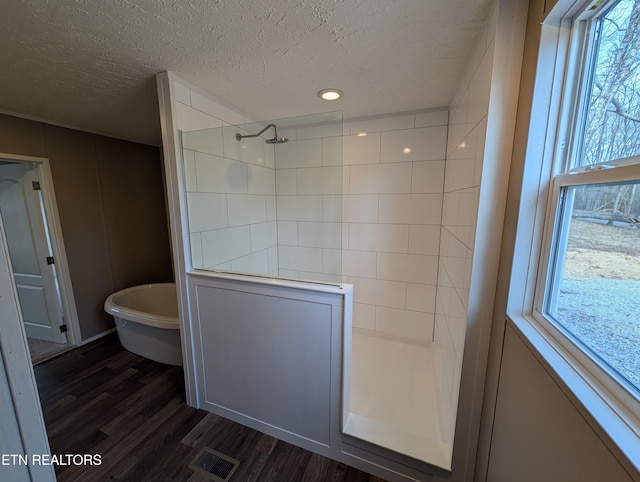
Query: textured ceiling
point(91, 64)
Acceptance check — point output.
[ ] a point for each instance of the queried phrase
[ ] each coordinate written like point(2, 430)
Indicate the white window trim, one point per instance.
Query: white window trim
point(605, 403)
point(604, 379)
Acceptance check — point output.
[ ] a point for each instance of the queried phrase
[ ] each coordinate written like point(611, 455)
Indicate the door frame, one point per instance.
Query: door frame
point(53, 226)
point(20, 379)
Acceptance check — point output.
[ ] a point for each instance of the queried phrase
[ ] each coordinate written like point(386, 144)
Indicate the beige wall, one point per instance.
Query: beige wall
point(112, 210)
point(538, 432)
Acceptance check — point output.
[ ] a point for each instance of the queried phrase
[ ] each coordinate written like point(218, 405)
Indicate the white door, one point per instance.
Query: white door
point(25, 228)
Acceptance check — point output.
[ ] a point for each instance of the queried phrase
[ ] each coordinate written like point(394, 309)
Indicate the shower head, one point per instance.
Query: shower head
point(277, 140)
point(274, 140)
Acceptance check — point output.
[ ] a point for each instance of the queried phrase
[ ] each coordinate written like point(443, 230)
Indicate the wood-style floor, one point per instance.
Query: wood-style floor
point(101, 399)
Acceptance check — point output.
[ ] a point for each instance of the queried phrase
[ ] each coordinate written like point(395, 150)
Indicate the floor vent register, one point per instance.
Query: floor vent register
point(215, 465)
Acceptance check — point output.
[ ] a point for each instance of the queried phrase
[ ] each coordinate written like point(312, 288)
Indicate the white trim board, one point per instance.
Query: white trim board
point(21, 385)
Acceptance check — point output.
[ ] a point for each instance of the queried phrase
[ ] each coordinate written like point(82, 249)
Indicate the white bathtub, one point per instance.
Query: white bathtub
point(146, 318)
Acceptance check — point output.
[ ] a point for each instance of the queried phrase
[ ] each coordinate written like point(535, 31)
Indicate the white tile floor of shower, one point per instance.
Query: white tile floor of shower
point(393, 399)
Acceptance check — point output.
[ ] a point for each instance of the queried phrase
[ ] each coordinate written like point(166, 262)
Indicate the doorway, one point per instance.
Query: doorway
point(38, 262)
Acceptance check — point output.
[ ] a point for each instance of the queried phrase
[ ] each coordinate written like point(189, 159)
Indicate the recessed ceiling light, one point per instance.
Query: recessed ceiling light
point(330, 94)
point(361, 134)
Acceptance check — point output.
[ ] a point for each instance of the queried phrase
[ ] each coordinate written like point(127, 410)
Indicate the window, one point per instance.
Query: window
point(590, 283)
point(611, 128)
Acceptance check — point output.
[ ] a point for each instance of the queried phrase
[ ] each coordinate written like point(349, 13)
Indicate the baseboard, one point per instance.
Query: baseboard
point(97, 337)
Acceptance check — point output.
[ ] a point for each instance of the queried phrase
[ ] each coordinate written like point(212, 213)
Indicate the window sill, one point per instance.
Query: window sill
point(619, 429)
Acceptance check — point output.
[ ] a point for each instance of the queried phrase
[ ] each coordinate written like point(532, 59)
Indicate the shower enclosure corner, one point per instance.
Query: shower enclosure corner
point(265, 199)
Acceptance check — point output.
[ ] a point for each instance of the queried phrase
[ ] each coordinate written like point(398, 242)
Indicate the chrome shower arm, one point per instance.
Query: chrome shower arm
point(275, 129)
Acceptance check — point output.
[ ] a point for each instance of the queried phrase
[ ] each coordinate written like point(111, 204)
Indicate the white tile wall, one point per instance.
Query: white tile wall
point(386, 123)
point(290, 208)
point(263, 236)
point(230, 185)
point(332, 264)
point(360, 208)
point(215, 109)
point(362, 150)
point(322, 129)
point(183, 93)
point(296, 154)
point(392, 208)
point(190, 119)
point(206, 211)
point(392, 294)
point(364, 316)
point(392, 238)
point(270, 202)
point(432, 118)
point(404, 323)
point(286, 182)
point(208, 140)
point(309, 185)
point(424, 239)
point(252, 150)
point(423, 144)
point(413, 268)
point(189, 167)
point(273, 260)
point(320, 235)
point(287, 233)
point(380, 178)
point(463, 169)
point(223, 245)
point(319, 180)
point(427, 177)
point(460, 174)
point(360, 263)
point(246, 209)
point(218, 174)
point(421, 297)
point(196, 250)
point(332, 208)
point(299, 208)
point(410, 208)
point(257, 262)
point(300, 258)
point(332, 151)
point(261, 180)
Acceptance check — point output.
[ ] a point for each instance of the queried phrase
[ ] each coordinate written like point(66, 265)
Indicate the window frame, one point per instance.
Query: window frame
point(559, 86)
point(606, 376)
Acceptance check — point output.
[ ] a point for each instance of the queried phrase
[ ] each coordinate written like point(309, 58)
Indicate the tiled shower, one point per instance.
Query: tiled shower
point(393, 192)
point(388, 204)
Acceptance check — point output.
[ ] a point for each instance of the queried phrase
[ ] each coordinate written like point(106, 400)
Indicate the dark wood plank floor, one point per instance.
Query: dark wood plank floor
point(101, 399)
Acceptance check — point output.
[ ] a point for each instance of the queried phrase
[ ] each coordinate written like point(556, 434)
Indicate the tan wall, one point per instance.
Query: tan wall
point(538, 433)
point(112, 210)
